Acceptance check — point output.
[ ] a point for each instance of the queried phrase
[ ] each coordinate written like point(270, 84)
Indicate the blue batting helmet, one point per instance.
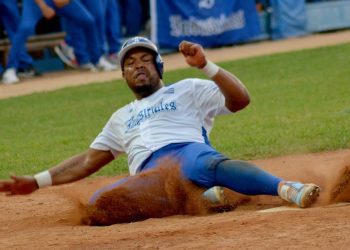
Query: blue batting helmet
point(141, 42)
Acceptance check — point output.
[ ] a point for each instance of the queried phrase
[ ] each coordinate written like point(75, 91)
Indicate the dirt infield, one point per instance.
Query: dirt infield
point(51, 218)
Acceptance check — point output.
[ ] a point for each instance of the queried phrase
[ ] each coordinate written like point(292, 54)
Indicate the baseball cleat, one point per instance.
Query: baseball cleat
point(104, 65)
point(66, 54)
point(88, 67)
point(214, 195)
point(10, 76)
point(303, 195)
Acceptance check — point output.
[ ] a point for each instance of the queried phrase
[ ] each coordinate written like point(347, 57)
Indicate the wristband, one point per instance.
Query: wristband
point(211, 69)
point(43, 179)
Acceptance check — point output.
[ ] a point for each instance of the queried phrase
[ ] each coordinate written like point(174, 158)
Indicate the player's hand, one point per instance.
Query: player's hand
point(19, 185)
point(61, 3)
point(193, 53)
point(48, 12)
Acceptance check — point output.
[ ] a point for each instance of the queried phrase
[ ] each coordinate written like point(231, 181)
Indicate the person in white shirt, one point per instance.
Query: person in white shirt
point(170, 121)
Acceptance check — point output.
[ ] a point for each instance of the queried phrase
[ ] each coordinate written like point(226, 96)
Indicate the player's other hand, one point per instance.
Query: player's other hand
point(49, 13)
point(61, 3)
point(19, 185)
point(193, 53)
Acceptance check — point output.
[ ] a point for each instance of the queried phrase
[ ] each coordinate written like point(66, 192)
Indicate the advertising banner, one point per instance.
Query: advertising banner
point(211, 23)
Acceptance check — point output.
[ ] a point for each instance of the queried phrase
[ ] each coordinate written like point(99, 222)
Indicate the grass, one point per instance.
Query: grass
point(300, 103)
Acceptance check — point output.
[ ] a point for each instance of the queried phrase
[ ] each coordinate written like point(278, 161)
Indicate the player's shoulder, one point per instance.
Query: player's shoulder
point(121, 112)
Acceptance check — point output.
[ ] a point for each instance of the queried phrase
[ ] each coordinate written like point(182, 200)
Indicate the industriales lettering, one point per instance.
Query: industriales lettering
point(206, 27)
point(148, 112)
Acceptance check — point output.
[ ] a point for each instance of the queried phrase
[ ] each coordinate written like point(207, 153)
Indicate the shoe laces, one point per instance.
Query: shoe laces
point(289, 191)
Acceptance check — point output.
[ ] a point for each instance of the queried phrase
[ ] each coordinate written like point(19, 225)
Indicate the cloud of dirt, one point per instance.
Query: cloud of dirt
point(158, 192)
point(339, 186)
point(163, 191)
point(331, 173)
point(79, 194)
point(320, 179)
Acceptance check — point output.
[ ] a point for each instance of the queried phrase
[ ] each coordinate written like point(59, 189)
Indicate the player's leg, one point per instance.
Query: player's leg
point(11, 19)
point(73, 39)
point(132, 23)
point(80, 17)
point(246, 178)
point(113, 28)
point(146, 195)
point(96, 9)
point(208, 168)
point(30, 16)
point(99, 192)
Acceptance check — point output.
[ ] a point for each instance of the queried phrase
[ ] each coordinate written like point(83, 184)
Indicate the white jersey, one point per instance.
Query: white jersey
point(174, 114)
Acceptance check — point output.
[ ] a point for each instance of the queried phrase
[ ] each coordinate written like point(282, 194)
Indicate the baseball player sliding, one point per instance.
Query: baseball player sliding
point(168, 122)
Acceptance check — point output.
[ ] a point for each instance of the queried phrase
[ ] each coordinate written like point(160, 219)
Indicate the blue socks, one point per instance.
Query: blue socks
point(245, 178)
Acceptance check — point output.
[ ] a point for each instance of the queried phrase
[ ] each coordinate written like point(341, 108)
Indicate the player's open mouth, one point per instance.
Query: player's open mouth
point(140, 75)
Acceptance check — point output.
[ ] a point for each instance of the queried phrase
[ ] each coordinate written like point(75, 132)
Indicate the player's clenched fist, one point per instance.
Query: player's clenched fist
point(193, 53)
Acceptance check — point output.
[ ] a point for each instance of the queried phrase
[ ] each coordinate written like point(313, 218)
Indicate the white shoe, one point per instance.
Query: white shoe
point(113, 58)
point(302, 195)
point(214, 195)
point(10, 76)
point(88, 67)
point(104, 65)
point(66, 54)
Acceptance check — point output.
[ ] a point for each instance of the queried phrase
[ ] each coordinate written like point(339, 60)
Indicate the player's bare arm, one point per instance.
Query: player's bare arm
point(72, 169)
point(236, 94)
point(80, 166)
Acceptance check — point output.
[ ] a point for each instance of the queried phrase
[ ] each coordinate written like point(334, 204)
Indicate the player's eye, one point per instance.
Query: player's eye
point(129, 62)
point(147, 58)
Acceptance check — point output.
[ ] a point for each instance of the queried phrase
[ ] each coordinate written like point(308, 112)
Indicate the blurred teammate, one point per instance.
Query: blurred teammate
point(32, 11)
point(76, 52)
point(113, 29)
point(167, 121)
point(10, 18)
point(132, 23)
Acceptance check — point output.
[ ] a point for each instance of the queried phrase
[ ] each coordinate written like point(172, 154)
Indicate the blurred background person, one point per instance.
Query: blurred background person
point(76, 52)
point(33, 10)
point(113, 29)
point(133, 24)
point(10, 19)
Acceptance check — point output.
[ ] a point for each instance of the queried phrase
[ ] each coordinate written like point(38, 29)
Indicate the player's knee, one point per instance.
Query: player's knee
point(109, 208)
point(203, 176)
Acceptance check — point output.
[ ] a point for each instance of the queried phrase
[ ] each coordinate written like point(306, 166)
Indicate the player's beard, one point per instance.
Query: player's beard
point(146, 89)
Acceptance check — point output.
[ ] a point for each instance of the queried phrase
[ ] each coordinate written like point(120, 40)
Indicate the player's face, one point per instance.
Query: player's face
point(140, 72)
